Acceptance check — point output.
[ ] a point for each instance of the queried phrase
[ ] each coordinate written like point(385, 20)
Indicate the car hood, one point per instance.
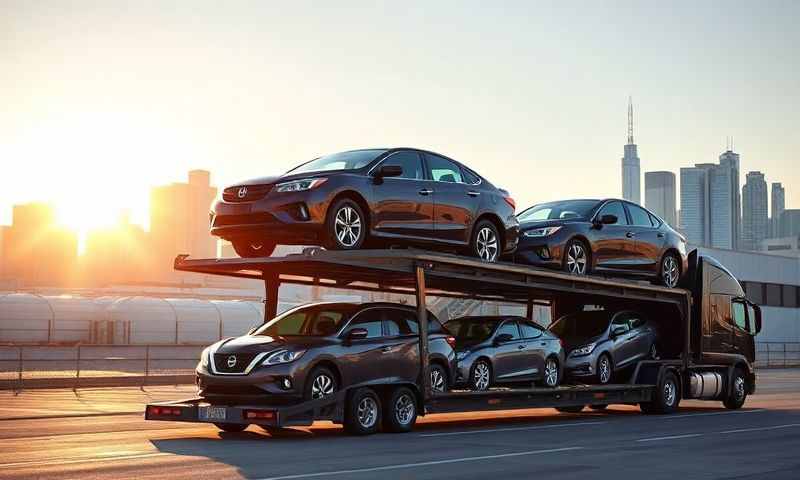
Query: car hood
point(533, 224)
point(265, 343)
point(573, 343)
point(286, 177)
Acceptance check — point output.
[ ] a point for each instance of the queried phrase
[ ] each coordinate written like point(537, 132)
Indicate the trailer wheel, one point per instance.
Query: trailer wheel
point(232, 427)
point(667, 396)
point(738, 391)
point(362, 412)
point(577, 409)
point(400, 410)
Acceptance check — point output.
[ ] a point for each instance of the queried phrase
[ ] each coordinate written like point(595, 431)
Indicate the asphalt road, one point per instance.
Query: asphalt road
point(58, 434)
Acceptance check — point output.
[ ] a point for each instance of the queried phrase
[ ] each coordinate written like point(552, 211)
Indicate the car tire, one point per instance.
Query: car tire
point(232, 427)
point(480, 375)
point(400, 410)
point(485, 243)
point(605, 369)
point(576, 409)
point(577, 258)
point(362, 414)
point(439, 378)
point(253, 249)
point(345, 226)
point(320, 383)
point(738, 392)
point(551, 377)
point(669, 271)
point(667, 396)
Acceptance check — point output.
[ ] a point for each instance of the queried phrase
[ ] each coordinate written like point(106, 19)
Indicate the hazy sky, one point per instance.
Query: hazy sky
point(99, 101)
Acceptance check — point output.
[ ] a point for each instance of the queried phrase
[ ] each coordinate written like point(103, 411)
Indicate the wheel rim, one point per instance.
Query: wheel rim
point(486, 244)
point(437, 380)
point(481, 376)
point(347, 226)
point(367, 412)
point(670, 271)
point(551, 373)
point(738, 388)
point(605, 370)
point(576, 259)
point(322, 386)
point(404, 409)
point(670, 391)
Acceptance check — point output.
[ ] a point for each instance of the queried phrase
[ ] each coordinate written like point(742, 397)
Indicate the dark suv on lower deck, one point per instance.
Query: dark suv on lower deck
point(315, 350)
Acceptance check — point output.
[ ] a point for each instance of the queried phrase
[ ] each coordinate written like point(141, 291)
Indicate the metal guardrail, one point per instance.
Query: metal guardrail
point(777, 354)
point(89, 365)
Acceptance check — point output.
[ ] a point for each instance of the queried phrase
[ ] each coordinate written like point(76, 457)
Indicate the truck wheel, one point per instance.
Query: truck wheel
point(345, 226)
point(738, 392)
point(401, 411)
point(253, 248)
point(667, 396)
point(232, 427)
point(362, 414)
point(577, 409)
point(480, 376)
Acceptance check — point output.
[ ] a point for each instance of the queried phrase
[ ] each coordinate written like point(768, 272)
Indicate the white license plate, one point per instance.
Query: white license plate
point(211, 414)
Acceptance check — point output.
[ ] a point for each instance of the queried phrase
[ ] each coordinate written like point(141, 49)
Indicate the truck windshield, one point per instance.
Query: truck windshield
point(583, 325)
point(339, 161)
point(471, 331)
point(309, 321)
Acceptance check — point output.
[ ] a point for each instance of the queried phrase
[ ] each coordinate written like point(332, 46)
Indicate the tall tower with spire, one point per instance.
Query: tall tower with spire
point(631, 169)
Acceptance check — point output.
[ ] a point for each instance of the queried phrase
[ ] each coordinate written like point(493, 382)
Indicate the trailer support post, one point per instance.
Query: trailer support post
point(271, 286)
point(422, 316)
point(529, 310)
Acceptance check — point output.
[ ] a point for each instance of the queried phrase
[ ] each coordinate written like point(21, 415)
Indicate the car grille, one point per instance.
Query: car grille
point(248, 219)
point(242, 361)
point(251, 193)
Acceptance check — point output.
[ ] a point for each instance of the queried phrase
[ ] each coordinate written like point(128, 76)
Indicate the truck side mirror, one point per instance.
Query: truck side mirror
point(756, 310)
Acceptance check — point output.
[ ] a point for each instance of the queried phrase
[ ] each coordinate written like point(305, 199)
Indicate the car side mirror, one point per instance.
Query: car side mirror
point(357, 334)
point(388, 171)
point(618, 330)
point(503, 338)
point(252, 330)
point(609, 219)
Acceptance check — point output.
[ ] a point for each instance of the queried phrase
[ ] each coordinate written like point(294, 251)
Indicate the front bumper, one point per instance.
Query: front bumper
point(265, 384)
point(541, 251)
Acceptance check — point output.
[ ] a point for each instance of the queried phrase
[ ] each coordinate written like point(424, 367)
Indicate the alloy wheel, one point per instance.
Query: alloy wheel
point(437, 380)
point(322, 387)
point(670, 271)
point(486, 244)
point(367, 412)
point(604, 369)
point(576, 259)
point(738, 388)
point(480, 376)
point(347, 226)
point(670, 392)
point(404, 409)
point(551, 373)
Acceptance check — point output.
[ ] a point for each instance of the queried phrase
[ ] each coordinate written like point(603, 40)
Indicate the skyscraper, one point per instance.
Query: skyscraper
point(631, 171)
point(790, 222)
point(729, 159)
point(659, 195)
point(755, 221)
point(776, 209)
point(695, 204)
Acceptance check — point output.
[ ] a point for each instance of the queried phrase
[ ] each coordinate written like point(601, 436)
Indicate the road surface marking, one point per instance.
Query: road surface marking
point(421, 464)
point(671, 437)
point(687, 415)
point(762, 429)
point(510, 429)
point(57, 461)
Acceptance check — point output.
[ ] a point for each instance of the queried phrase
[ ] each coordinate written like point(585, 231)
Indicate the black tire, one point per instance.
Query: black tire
point(400, 410)
point(577, 258)
point(232, 427)
point(669, 271)
point(577, 409)
point(548, 380)
point(317, 386)
point(362, 414)
point(440, 381)
point(342, 221)
point(738, 391)
point(253, 249)
point(603, 377)
point(667, 396)
point(480, 379)
point(486, 244)
point(598, 408)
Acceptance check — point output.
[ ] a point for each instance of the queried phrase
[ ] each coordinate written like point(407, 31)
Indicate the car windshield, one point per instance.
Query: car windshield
point(583, 325)
point(309, 321)
point(558, 210)
point(471, 331)
point(339, 161)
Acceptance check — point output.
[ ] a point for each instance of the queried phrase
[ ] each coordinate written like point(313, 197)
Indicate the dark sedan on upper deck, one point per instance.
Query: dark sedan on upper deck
point(395, 196)
point(603, 236)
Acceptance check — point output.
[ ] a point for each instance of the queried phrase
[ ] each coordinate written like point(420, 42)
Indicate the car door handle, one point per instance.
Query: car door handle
point(630, 234)
point(473, 193)
point(660, 235)
point(520, 347)
point(425, 191)
point(387, 349)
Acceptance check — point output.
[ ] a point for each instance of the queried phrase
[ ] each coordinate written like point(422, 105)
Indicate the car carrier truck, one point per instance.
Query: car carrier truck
point(707, 334)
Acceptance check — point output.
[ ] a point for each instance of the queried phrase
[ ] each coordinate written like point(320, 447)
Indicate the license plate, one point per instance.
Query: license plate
point(211, 414)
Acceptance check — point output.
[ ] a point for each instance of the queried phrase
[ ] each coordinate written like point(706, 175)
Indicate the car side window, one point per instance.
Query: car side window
point(639, 216)
point(409, 161)
point(370, 320)
point(470, 177)
point(623, 320)
point(509, 328)
point(529, 331)
point(738, 314)
point(636, 321)
point(616, 209)
point(441, 169)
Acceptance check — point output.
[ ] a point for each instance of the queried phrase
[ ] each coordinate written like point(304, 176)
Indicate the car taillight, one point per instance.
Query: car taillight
point(510, 201)
point(259, 414)
point(164, 411)
point(451, 340)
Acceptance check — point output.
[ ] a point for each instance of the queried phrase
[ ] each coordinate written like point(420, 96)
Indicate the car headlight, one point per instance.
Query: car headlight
point(584, 350)
point(204, 357)
point(461, 355)
point(283, 356)
point(541, 232)
point(300, 185)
